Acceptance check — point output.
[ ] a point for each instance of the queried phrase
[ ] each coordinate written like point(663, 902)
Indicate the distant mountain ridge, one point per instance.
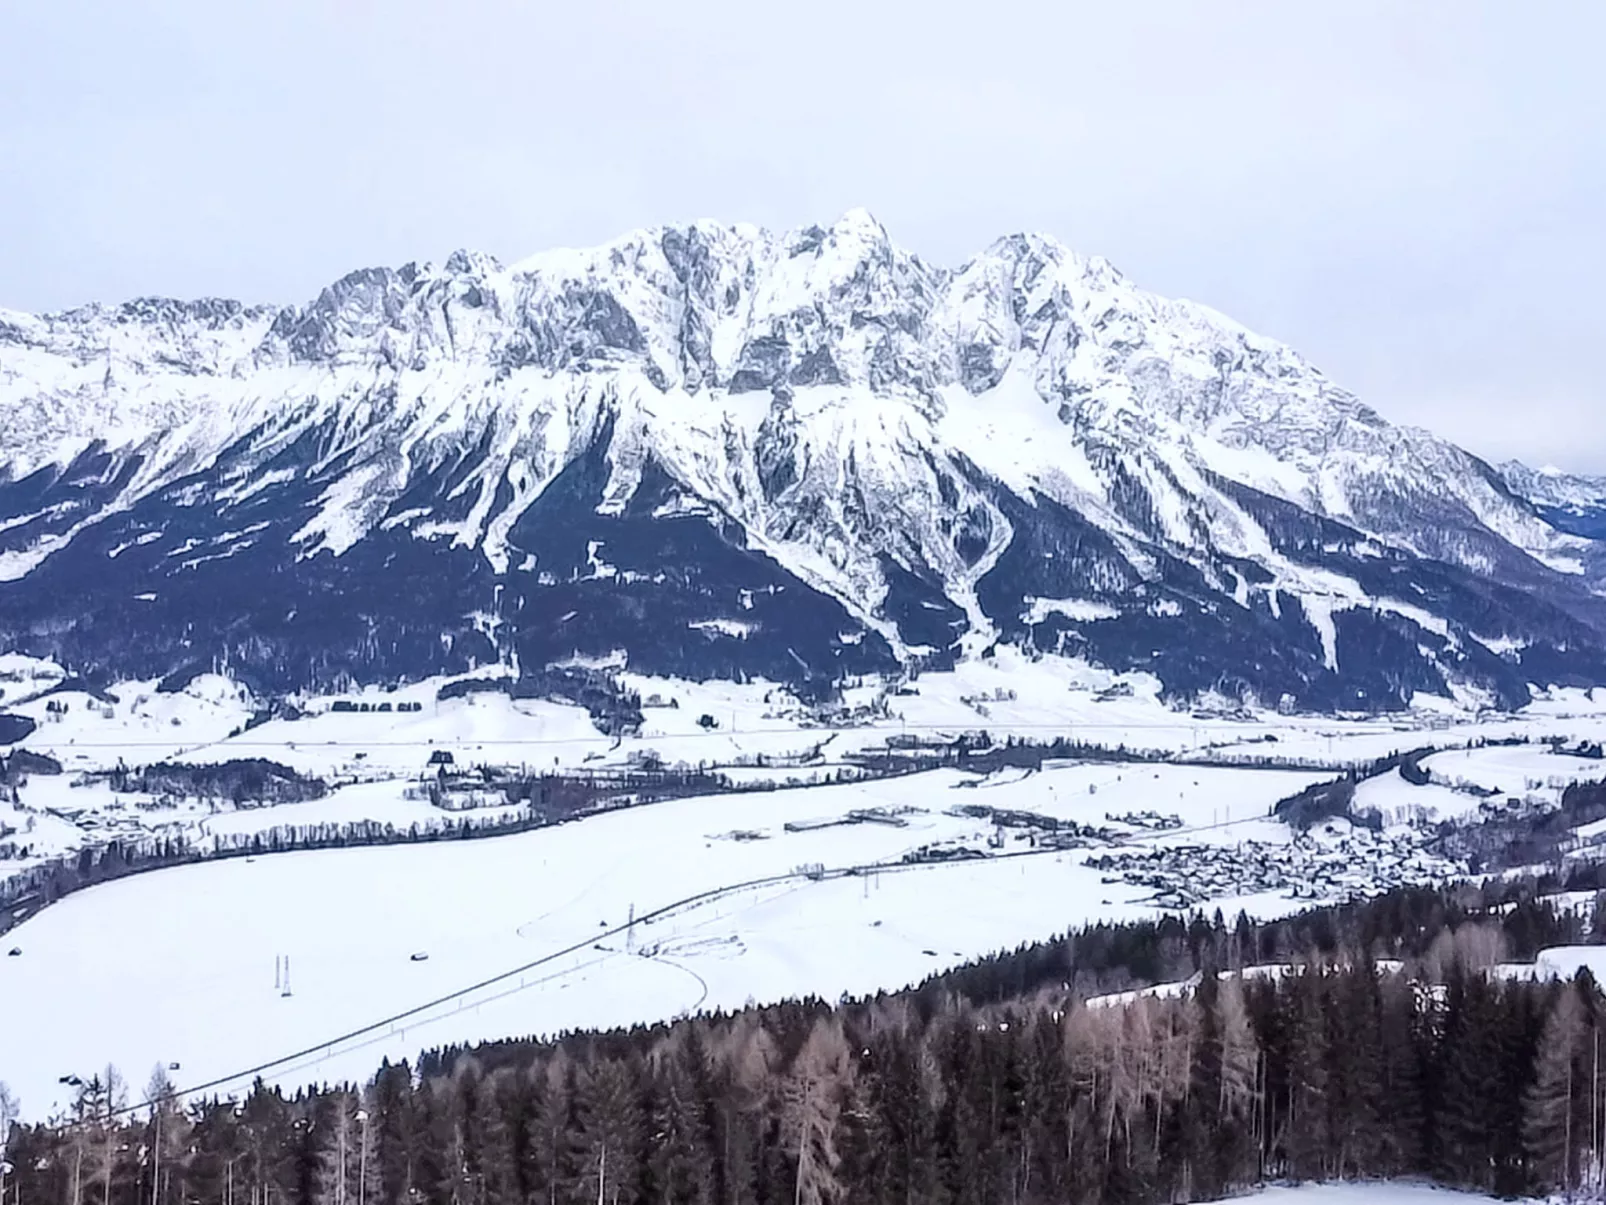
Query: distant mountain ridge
point(720, 451)
point(1569, 502)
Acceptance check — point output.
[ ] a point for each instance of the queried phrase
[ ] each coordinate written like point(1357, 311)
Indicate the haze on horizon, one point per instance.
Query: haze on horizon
point(1412, 196)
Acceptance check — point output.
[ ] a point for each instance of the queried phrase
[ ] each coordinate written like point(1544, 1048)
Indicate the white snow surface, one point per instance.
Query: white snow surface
point(1362, 1192)
point(195, 985)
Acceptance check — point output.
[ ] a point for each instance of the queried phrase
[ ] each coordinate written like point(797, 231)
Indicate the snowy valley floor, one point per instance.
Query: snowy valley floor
point(186, 966)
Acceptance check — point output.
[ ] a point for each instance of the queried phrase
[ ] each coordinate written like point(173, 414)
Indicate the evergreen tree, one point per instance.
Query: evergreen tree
point(166, 1145)
point(743, 1097)
point(336, 1140)
point(549, 1131)
point(680, 1160)
point(1472, 1065)
point(1305, 1139)
point(1404, 1032)
point(392, 1125)
point(609, 1125)
point(1354, 1072)
point(1554, 1119)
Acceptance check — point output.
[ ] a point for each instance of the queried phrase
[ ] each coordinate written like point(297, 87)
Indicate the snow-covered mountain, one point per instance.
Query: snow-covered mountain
point(1568, 502)
point(726, 452)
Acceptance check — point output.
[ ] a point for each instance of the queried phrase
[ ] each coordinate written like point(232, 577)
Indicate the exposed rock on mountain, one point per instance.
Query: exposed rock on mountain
point(1569, 503)
point(727, 452)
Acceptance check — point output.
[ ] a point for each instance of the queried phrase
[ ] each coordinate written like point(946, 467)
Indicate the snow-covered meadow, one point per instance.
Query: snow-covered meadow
point(179, 966)
point(196, 984)
point(1364, 1192)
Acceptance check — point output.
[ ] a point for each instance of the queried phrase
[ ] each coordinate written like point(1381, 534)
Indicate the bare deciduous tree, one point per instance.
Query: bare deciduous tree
point(812, 1098)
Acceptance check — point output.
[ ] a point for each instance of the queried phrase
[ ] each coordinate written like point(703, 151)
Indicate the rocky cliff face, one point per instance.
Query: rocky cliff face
point(727, 452)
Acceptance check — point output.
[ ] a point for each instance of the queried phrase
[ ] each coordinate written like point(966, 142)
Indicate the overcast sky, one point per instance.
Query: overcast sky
point(1412, 194)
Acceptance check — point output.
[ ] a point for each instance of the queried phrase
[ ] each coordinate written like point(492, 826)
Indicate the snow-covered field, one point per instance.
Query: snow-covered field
point(1008, 695)
point(179, 966)
point(101, 972)
point(1465, 782)
point(1368, 1192)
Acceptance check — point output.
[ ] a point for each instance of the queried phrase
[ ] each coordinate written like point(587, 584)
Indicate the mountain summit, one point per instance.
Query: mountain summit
point(715, 450)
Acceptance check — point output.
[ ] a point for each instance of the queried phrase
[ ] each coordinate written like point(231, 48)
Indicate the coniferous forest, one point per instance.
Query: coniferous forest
point(1362, 1041)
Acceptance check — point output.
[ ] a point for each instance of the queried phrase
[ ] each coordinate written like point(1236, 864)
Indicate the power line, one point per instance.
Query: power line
point(326, 1047)
point(706, 896)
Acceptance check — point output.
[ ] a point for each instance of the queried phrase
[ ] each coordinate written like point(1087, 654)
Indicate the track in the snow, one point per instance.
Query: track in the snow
point(311, 1055)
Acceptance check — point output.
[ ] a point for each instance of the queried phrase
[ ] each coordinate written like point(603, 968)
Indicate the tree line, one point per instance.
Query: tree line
point(1371, 1040)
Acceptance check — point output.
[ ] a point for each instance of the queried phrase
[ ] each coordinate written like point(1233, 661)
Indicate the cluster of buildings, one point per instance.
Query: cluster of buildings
point(1333, 861)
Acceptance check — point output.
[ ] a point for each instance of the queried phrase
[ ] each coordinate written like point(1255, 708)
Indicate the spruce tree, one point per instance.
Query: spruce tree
point(609, 1127)
point(549, 1130)
point(1404, 1030)
point(1306, 1145)
point(1355, 1101)
point(392, 1126)
point(1555, 1124)
point(679, 1158)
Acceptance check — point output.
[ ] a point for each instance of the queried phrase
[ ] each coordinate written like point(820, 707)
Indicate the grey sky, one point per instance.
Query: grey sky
point(1413, 194)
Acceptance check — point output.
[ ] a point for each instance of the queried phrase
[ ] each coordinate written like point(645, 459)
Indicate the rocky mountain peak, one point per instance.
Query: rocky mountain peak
point(937, 457)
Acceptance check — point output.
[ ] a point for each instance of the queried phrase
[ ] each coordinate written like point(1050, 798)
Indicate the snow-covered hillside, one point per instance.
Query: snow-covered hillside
point(1568, 502)
point(731, 452)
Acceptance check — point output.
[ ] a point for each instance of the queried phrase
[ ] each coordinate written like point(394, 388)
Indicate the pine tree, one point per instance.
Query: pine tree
point(1404, 1033)
point(1553, 1104)
point(1305, 1140)
point(492, 1126)
point(268, 1126)
point(95, 1130)
point(1473, 1067)
point(167, 1138)
point(440, 1149)
point(549, 1130)
point(335, 1131)
point(1219, 1138)
point(392, 1124)
point(1049, 1110)
point(609, 1126)
point(215, 1171)
point(1354, 1068)
point(743, 1089)
point(679, 1160)
point(10, 1108)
